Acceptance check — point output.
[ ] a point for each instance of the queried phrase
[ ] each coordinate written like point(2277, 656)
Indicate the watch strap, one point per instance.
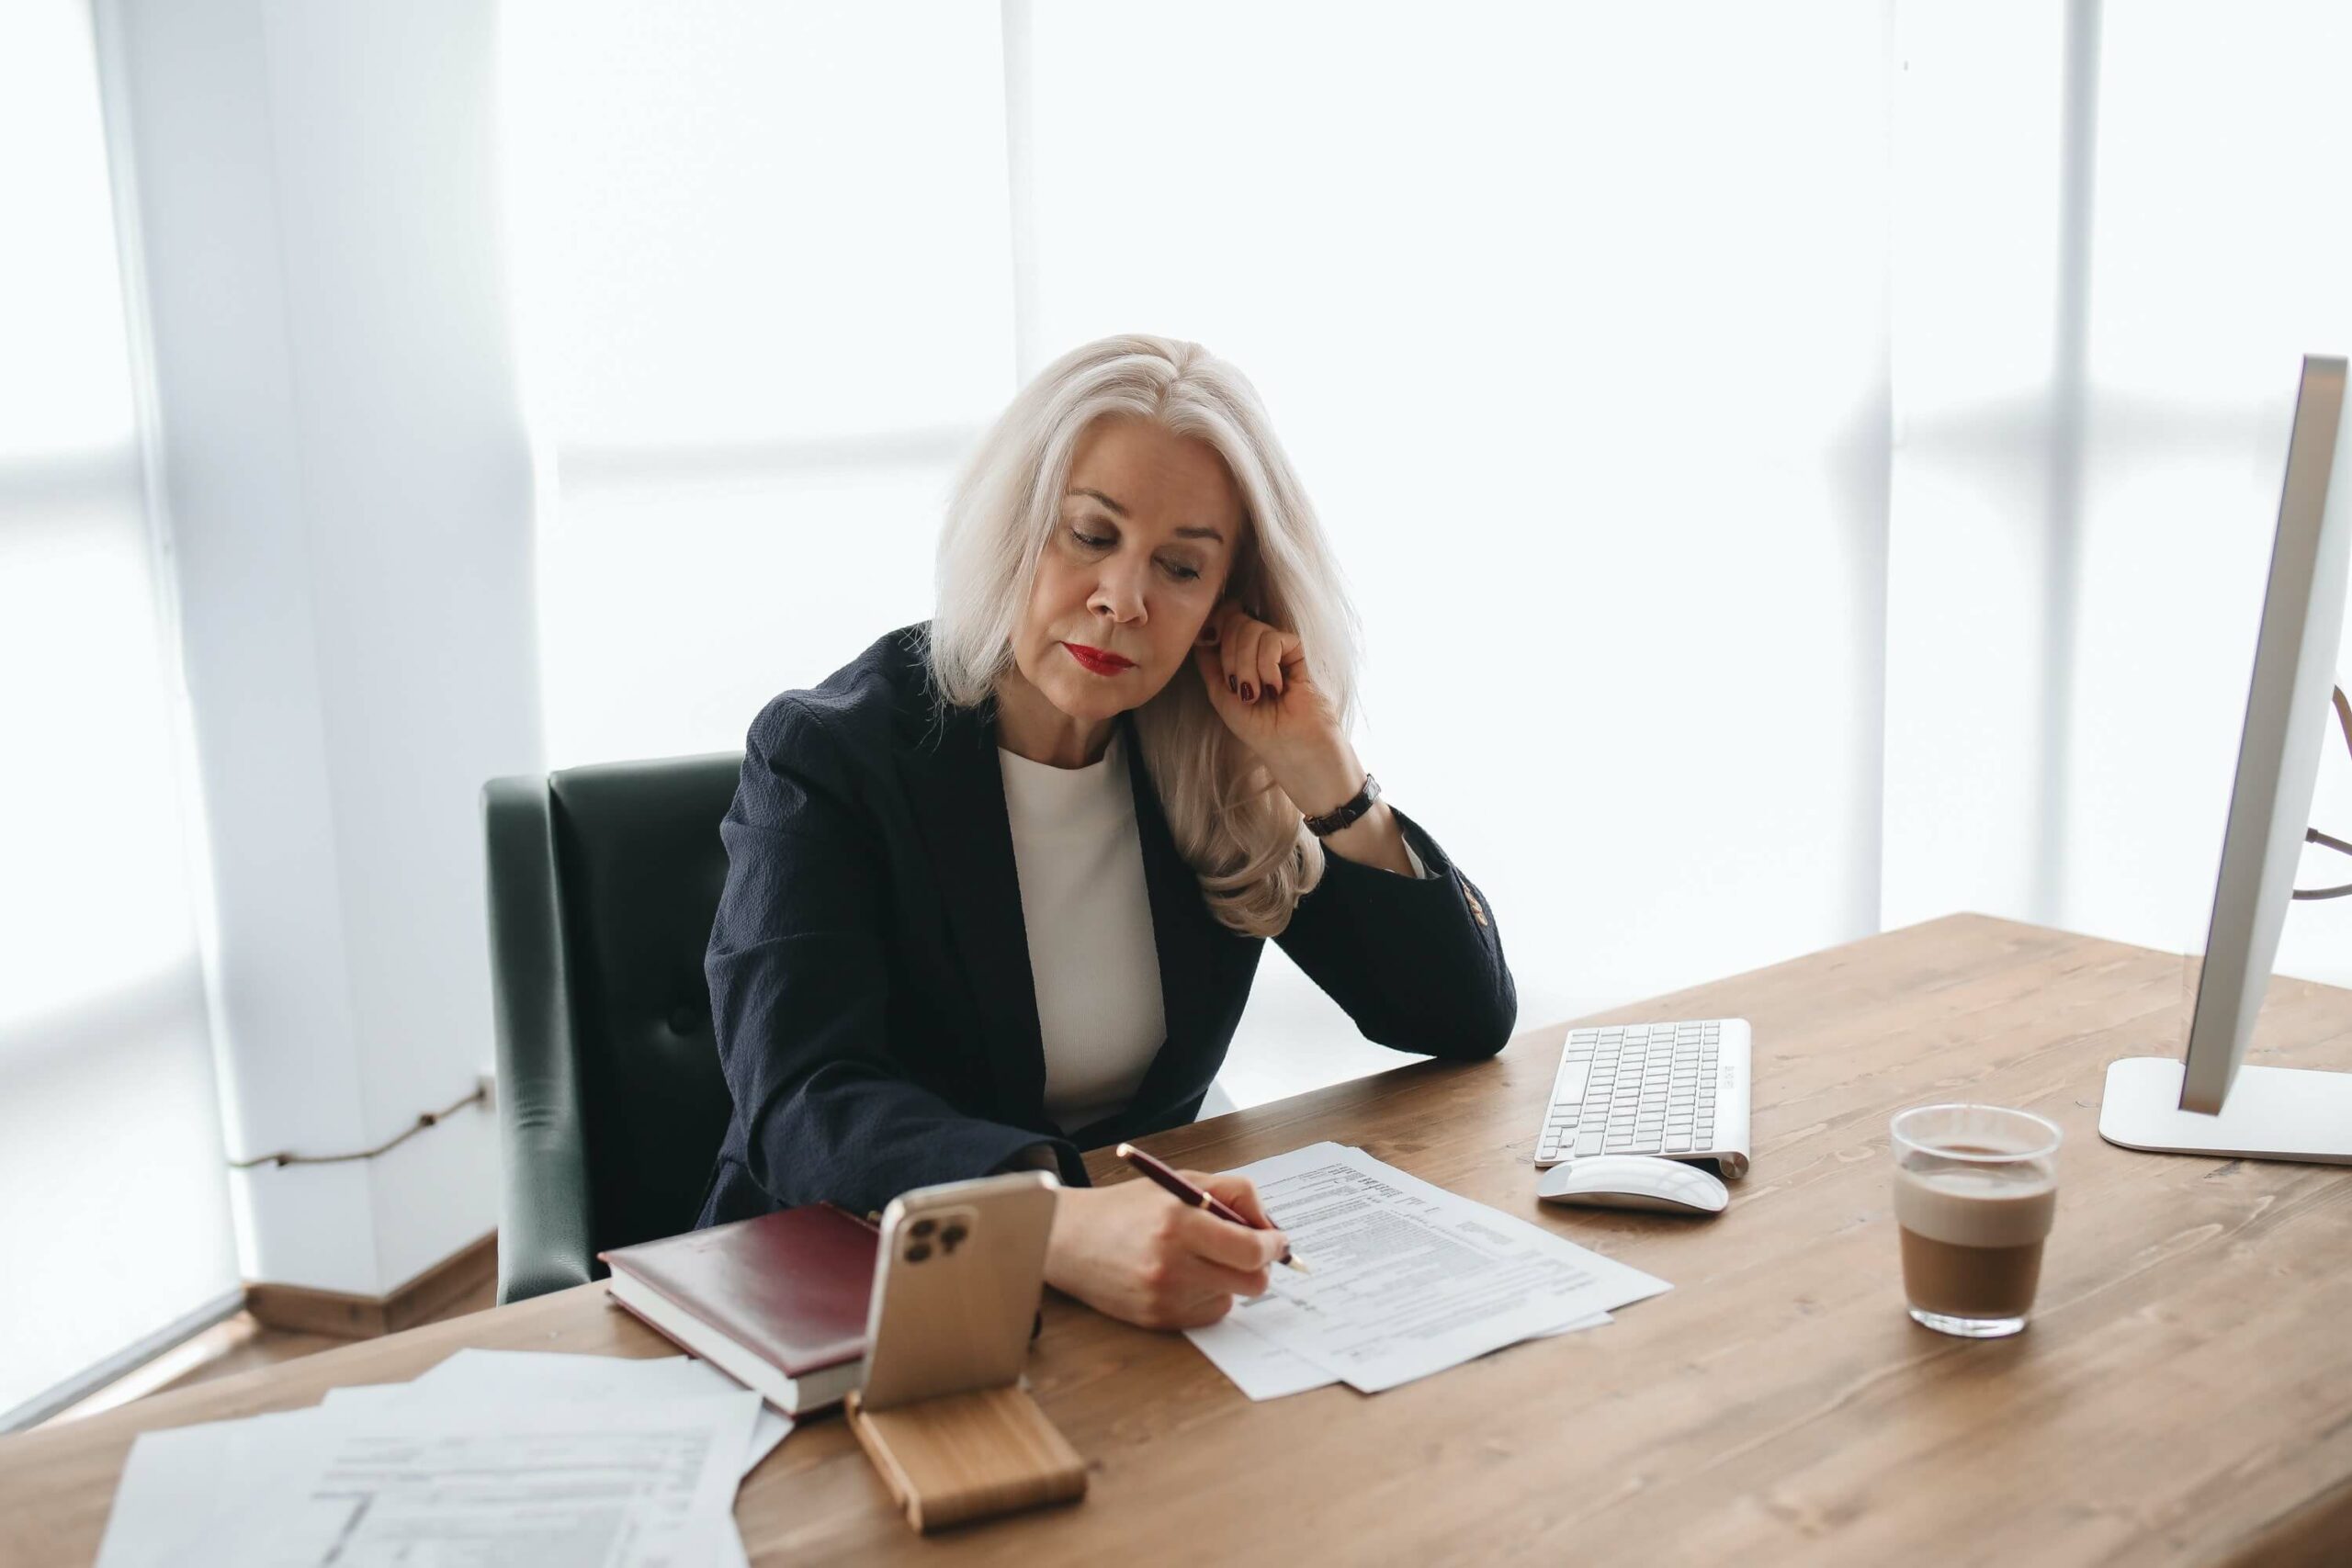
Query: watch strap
point(1330, 822)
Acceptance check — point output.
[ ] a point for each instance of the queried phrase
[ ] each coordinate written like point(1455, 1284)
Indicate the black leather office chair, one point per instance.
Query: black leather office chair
point(604, 882)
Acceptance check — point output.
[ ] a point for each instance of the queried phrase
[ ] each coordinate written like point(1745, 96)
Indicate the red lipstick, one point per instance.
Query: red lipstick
point(1096, 659)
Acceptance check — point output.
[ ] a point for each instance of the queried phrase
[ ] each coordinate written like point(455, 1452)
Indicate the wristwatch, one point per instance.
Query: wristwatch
point(1330, 822)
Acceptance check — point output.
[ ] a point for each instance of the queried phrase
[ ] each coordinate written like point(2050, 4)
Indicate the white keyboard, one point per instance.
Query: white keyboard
point(1678, 1090)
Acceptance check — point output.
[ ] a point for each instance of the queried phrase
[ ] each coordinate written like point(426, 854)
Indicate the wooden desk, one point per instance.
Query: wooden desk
point(2184, 1395)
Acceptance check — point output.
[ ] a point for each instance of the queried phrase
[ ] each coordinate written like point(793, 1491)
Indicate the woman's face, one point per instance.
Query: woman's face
point(1139, 556)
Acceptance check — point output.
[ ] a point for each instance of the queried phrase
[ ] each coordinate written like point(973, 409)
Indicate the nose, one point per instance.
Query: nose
point(1118, 594)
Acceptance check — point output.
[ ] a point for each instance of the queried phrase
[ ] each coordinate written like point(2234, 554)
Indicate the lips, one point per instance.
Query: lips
point(1097, 661)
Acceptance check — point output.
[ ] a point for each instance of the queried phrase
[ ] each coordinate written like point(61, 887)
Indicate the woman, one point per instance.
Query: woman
point(996, 888)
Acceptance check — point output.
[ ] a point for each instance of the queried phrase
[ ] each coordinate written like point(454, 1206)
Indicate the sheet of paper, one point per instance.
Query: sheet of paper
point(732, 1553)
point(1263, 1369)
point(1409, 1279)
point(499, 1375)
point(562, 1374)
point(180, 1487)
point(369, 1483)
point(1259, 1367)
point(503, 1376)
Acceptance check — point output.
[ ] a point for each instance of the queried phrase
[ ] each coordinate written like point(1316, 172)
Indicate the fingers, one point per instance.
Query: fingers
point(1227, 1245)
point(1270, 662)
point(1210, 664)
point(1238, 646)
point(1216, 1278)
point(1257, 661)
point(1237, 1191)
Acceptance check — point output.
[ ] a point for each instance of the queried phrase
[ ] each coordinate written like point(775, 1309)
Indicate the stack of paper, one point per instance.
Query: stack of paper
point(491, 1457)
point(1407, 1280)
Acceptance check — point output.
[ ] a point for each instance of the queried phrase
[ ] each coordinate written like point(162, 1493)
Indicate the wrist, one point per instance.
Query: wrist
point(1065, 1240)
point(1322, 782)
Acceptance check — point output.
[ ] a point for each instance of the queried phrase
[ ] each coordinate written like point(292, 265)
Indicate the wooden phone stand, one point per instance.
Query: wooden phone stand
point(968, 1456)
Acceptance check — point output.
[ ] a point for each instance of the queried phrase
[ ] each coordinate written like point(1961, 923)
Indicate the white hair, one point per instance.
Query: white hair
point(1238, 831)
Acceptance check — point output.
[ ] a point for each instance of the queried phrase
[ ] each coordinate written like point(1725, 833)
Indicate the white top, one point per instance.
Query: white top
point(1089, 919)
point(1087, 913)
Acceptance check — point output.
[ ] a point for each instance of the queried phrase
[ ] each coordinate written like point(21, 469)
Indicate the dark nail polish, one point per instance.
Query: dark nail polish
point(1248, 693)
point(1233, 683)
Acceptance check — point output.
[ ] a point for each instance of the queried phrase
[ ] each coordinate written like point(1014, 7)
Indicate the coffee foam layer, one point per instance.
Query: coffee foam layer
point(1976, 1206)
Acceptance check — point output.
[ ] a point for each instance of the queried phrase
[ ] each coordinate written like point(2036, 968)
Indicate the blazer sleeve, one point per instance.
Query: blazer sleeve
point(798, 992)
point(1416, 962)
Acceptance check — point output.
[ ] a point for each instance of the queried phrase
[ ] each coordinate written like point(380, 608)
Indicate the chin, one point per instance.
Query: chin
point(1089, 705)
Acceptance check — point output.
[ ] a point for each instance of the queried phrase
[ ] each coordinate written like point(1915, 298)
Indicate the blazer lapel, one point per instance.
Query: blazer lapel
point(956, 786)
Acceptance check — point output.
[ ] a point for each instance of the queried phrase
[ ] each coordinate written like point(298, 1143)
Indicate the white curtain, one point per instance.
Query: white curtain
point(1803, 468)
point(113, 1213)
point(2121, 228)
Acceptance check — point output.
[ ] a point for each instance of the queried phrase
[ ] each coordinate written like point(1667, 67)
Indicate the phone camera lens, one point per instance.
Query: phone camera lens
point(950, 1235)
point(918, 1252)
point(923, 1227)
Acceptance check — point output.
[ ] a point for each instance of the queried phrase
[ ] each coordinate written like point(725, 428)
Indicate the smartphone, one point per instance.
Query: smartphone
point(962, 1268)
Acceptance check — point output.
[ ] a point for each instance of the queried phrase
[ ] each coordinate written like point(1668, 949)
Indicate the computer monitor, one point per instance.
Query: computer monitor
point(2208, 1103)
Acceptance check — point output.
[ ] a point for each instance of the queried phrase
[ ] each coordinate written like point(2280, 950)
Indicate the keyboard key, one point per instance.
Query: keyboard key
point(1588, 1143)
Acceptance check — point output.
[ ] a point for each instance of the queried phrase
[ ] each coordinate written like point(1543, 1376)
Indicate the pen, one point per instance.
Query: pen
point(1186, 1193)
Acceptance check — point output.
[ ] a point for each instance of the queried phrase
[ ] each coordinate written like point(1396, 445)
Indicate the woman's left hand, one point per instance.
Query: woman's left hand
point(1257, 680)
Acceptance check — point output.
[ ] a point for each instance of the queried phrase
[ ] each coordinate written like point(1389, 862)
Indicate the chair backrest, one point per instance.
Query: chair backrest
point(604, 883)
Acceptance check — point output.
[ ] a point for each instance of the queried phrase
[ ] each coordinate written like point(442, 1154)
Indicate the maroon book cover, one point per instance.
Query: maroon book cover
point(791, 1287)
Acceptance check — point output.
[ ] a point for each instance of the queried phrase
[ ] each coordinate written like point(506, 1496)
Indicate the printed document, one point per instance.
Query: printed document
point(1263, 1369)
point(511, 1377)
point(516, 1376)
point(370, 1483)
point(1409, 1279)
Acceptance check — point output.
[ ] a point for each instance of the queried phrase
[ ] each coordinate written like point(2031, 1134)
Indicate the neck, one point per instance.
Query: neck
point(1029, 726)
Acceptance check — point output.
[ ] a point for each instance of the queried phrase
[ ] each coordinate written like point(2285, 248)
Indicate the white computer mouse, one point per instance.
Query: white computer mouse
point(1635, 1181)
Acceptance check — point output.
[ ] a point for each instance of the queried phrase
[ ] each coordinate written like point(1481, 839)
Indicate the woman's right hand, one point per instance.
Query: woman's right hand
point(1132, 1251)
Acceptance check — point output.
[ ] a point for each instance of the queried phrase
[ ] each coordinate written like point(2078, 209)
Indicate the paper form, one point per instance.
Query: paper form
point(472, 1374)
point(559, 1374)
point(1409, 1279)
point(1263, 1369)
point(371, 1483)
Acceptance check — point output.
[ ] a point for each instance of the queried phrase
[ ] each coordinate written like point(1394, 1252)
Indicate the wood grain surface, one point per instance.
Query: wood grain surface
point(968, 1456)
point(2184, 1395)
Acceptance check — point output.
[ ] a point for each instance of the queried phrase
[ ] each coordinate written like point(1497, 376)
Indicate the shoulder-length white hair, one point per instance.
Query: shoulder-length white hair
point(1240, 833)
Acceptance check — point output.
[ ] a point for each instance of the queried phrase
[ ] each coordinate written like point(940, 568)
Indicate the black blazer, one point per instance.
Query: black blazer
point(869, 972)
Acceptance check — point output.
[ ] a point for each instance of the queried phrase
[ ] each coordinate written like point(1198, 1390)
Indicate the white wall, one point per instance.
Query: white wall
point(114, 1209)
point(347, 488)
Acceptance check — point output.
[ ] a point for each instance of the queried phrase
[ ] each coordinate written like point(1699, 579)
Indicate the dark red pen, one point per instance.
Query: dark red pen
point(1185, 1192)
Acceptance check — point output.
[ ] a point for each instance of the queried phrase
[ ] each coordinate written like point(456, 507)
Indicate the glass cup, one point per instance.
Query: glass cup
point(1975, 1189)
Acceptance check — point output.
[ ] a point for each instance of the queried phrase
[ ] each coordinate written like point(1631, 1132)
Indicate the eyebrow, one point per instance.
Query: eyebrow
point(1181, 532)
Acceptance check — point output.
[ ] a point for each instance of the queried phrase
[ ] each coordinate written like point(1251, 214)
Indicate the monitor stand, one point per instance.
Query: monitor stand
point(2270, 1113)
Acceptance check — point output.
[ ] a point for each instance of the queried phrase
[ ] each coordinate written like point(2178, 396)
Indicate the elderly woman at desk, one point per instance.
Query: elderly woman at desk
point(996, 888)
